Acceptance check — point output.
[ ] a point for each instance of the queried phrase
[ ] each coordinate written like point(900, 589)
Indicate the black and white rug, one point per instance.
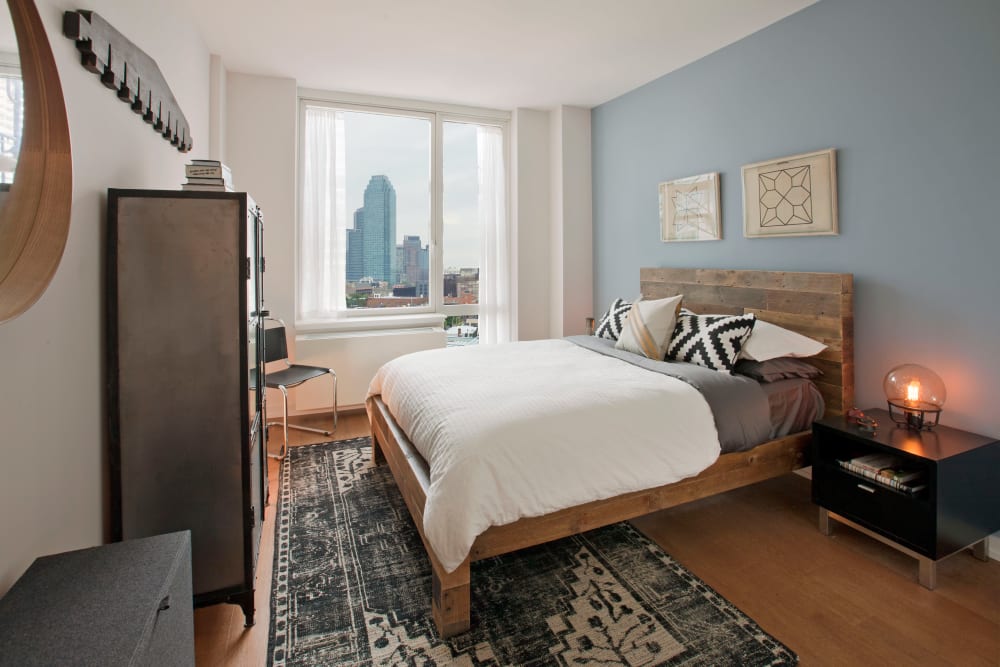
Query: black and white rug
point(352, 586)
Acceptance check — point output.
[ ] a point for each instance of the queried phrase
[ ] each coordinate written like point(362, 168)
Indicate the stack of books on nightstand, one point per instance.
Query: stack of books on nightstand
point(887, 470)
point(209, 175)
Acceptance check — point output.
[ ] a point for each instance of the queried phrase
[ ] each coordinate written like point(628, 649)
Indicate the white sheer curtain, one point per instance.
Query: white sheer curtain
point(322, 252)
point(496, 322)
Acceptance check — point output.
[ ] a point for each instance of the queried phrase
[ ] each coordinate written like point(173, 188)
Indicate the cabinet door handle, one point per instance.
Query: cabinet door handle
point(865, 487)
point(164, 604)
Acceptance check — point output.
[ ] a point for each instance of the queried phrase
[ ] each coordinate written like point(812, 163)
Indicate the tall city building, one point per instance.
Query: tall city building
point(400, 277)
point(371, 248)
point(378, 241)
point(355, 247)
point(424, 261)
point(412, 263)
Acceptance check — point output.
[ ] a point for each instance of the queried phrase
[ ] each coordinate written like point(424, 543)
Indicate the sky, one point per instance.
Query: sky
point(400, 148)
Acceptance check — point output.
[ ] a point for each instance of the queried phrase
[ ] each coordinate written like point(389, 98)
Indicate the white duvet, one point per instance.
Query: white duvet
point(524, 429)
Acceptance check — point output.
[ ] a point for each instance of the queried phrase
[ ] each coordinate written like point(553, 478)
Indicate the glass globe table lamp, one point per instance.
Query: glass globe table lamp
point(915, 395)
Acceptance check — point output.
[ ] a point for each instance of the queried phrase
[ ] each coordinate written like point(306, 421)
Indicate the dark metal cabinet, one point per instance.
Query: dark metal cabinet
point(186, 434)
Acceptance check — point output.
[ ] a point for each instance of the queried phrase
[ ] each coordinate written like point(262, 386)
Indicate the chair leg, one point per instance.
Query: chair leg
point(322, 431)
point(309, 429)
point(284, 424)
point(333, 376)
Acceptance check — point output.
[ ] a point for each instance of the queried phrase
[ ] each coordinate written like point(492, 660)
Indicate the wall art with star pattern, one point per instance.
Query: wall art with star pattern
point(791, 196)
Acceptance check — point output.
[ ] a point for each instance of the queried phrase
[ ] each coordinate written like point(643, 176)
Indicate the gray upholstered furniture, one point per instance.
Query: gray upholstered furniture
point(127, 603)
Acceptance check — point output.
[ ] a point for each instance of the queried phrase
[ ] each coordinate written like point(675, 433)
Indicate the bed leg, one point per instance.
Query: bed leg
point(451, 600)
point(378, 456)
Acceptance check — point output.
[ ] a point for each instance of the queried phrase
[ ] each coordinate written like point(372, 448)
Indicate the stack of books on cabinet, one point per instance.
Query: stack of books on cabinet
point(887, 470)
point(210, 175)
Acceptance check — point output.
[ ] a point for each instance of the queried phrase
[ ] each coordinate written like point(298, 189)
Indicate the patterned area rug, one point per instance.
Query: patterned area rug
point(352, 586)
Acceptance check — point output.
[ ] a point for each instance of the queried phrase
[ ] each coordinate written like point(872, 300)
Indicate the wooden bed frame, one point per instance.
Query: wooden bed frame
point(818, 305)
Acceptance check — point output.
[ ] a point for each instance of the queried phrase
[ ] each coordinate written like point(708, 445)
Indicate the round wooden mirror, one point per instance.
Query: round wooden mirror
point(35, 207)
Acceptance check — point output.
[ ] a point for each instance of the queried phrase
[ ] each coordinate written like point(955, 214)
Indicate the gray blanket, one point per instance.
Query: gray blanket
point(739, 405)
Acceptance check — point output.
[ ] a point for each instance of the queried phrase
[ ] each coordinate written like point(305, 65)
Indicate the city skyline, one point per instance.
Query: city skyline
point(398, 147)
point(371, 253)
point(368, 255)
point(381, 274)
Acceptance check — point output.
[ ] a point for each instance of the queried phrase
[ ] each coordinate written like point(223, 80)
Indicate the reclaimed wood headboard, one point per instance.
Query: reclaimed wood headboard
point(818, 305)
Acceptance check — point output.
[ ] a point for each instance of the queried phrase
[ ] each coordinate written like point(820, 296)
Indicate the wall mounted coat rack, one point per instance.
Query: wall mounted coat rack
point(128, 70)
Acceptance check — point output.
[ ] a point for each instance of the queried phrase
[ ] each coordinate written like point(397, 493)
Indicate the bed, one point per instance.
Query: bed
point(818, 305)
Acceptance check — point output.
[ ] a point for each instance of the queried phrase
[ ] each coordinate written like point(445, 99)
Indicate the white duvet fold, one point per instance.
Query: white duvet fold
point(524, 429)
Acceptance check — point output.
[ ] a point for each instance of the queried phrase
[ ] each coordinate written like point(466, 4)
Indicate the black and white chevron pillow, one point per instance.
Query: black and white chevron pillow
point(613, 322)
point(712, 341)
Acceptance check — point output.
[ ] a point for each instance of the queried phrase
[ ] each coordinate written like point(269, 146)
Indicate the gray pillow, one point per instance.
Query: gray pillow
point(773, 370)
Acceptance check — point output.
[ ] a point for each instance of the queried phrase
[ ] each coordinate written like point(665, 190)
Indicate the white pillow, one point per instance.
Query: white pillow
point(649, 326)
point(769, 341)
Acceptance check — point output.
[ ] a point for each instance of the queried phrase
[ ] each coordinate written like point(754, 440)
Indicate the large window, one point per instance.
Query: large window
point(404, 212)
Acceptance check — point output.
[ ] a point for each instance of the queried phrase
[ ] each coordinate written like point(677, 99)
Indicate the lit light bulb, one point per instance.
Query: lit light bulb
point(916, 393)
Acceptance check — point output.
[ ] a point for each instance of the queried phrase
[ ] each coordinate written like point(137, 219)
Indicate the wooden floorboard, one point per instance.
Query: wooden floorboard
point(838, 600)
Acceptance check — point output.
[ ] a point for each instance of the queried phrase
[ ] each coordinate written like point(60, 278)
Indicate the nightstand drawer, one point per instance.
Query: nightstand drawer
point(896, 515)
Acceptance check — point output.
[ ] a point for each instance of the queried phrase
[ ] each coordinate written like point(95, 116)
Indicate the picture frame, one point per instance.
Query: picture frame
point(791, 196)
point(690, 209)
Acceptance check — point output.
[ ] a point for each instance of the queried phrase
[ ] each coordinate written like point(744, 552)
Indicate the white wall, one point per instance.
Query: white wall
point(260, 149)
point(577, 220)
point(555, 226)
point(53, 479)
point(217, 108)
point(530, 192)
point(571, 243)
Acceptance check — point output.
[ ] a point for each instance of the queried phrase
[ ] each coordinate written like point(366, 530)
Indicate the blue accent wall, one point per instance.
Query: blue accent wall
point(908, 92)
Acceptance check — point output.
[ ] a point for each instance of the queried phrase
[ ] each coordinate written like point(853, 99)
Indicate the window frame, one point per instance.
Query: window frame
point(435, 311)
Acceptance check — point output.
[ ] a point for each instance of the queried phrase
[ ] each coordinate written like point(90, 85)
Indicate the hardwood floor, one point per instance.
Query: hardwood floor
point(838, 600)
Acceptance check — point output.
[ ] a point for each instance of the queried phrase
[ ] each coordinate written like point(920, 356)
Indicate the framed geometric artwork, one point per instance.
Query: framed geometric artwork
point(791, 196)
point(689, 209)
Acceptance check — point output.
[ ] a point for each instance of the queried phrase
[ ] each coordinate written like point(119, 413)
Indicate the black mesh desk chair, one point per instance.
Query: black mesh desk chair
point(276, 349)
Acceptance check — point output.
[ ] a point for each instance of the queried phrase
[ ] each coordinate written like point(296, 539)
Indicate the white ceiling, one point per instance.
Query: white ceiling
point(493, 53)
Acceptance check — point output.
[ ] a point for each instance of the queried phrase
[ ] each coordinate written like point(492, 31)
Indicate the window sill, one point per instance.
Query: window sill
point(386, 323)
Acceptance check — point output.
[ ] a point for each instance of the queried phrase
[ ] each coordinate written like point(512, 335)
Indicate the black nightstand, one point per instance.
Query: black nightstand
point(956, 505)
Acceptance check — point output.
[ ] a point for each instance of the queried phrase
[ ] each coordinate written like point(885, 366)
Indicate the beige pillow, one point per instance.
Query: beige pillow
point(649, 326)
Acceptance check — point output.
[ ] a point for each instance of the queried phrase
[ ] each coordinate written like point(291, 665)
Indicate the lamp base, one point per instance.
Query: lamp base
point(916, 419)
